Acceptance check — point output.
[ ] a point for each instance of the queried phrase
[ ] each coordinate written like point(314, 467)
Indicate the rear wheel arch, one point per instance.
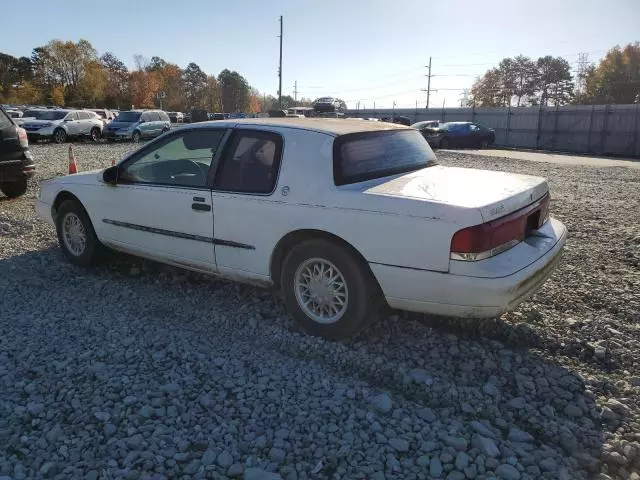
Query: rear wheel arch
point(286, 243)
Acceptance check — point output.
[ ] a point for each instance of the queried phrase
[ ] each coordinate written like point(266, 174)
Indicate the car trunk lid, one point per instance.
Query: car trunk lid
point(494, 194)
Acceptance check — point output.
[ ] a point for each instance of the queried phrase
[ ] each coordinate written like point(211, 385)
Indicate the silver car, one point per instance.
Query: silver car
point(61, 125)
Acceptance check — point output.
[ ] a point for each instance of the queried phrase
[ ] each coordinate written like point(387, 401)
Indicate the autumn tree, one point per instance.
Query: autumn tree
point(487, 90)
point(617, 77)
point(212, 100)
point(90, 89)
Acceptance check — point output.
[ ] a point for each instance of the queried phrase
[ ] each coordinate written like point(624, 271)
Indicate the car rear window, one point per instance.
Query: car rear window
point(364, 156)
point(4, 120)
point(128, 117)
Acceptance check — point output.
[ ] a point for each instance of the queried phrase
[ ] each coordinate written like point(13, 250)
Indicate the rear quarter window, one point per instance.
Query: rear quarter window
point(363, 156)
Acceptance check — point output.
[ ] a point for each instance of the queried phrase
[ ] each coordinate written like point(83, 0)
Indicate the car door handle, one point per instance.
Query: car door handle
point(203, 207)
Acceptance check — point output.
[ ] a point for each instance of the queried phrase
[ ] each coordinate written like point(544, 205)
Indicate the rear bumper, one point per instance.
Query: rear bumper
point(12, 170)
point(116, 135)
point(457, 295)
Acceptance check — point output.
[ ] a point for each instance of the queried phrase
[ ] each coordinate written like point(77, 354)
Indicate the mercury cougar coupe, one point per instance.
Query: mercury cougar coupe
point(342, 216)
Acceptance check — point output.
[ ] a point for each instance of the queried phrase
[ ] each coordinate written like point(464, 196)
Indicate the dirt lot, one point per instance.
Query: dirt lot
point(138, 370)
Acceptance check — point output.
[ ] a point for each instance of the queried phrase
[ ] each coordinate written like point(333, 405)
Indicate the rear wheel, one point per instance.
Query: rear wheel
point(328, 289)
point(95, 134)
point(14, 189)
point(59, 136)
point(484, 143)
point(76, 236)
point(136, 136)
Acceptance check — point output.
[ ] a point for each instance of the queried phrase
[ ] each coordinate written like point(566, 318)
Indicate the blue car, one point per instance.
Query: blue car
point(459, 134)
point(136, 125)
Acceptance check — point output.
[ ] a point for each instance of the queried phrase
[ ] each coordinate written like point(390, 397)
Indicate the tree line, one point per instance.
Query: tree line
point(521, 81)
point(64, 73)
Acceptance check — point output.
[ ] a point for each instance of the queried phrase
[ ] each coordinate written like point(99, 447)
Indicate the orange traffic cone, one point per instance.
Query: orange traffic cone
point(73, 168)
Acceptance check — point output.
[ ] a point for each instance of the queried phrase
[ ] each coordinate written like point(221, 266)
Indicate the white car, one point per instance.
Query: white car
point(61, 125)
point(340, 215)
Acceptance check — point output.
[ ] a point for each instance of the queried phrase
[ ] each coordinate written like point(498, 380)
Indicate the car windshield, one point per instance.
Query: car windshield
point(325, 99)
point(426, 123)
point(128, 117)
point(51, 115)
point(452, 126)
point(363, 156)
point(32, 113)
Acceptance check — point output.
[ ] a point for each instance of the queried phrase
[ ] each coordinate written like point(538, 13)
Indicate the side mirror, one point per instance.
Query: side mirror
point(110, 175)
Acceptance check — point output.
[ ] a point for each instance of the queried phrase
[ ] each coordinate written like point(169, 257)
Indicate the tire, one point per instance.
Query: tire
point(361, 294)
point(59, 135)
point(444, 143)
point(95, 134)
point(90, 251)
point(136, 136)
point(15, 189)
point(484, 143)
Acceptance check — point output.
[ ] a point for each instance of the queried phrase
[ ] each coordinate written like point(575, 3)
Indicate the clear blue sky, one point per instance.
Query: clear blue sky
point(366, 50)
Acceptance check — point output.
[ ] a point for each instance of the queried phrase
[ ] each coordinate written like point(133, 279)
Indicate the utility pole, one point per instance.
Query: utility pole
point(428, 89)
point(280, 69)
point(295, 92)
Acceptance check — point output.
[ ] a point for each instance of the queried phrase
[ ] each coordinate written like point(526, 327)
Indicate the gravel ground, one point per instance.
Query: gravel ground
point(139, 370)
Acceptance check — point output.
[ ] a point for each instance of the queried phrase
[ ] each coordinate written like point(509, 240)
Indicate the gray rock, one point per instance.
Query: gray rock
point(192, 467)
point(54, 434)
point(517, 435)
point(435, 467)
point(277, 455)
point(462, 461)
point(483, 430)
point(399, 444)
point(471, 471)
point(572, 410)
point(382, 402)
point(548, 464)
point(225, 459)
point(426, 414)
point(423, 461)
point(456, 475)
point(206, 400)
point(486, 446)
point(428, 446)
point(109, 429)
point(235, 470)
point(49, 469)
point(91, 475)
point(208, 458)
point(517, 403)
point(459, 443)
point(259, 474)
point(490, 389)
point(130, 400)
point(508, 472)
point(418, 375)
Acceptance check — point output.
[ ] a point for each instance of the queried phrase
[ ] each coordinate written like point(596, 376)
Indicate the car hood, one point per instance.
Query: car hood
point(34, 122)
point(90, 177)
point(113, 125)
point(494, 194)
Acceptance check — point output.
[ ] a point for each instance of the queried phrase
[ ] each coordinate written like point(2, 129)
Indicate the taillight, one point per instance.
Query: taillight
point(22, 136)
point(491, 238)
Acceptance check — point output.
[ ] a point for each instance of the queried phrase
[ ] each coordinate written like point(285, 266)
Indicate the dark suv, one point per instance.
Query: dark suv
point(16, 161)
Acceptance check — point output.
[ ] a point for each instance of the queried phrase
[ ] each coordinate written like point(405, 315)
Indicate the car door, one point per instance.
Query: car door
point(475, 135)
point(145, 125)
point(84, 123)
point(72, 123)
point(161, 204)
point(243, 200)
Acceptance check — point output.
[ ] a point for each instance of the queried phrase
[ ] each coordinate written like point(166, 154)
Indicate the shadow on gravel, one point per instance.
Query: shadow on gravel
point(467, 372)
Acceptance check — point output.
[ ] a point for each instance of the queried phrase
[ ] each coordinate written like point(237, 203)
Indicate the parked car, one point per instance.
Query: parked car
point(402, 120)
point(321, 192)
point(427, 124)
point(28, 114)
point(329, 104)
point(199, 115)
point(137, 124)
point(459, 134)
point(105, 115)
point(187, 117)
point(16, 161)
point(14, 113)
point(175, 117)
point(62, 125)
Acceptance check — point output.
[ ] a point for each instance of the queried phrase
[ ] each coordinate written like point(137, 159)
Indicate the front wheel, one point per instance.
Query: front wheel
point(76, 235)
point(328, 289)
point(14, 189)
point(95, 134)
point(136, 136)
point(59, 136)
point(444, 143)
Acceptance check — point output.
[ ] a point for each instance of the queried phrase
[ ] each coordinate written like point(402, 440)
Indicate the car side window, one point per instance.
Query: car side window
point(474, 128)
point(250, 163)
point(4, 119)
point(163, 117)
point(71, 116)
point(180, 160)
point(85, 115)
point(144, 117)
